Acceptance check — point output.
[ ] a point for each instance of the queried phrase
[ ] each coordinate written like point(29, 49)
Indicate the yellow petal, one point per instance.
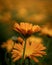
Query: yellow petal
point(36, 28)
point(18, 46)
point(15, 51)
point(40, 47)
point(42, 52)
point(38, 55)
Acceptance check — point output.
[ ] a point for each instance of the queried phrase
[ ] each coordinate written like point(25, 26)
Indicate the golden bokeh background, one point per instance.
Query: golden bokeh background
point(35, 11)
point(29, 10)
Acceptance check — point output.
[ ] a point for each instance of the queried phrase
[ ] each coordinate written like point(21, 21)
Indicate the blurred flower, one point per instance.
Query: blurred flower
point(32, 50)
point(47, 30)
point(26, 28)
point(8, 45)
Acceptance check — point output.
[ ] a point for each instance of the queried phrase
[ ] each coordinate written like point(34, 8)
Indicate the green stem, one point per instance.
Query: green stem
point(24, 52)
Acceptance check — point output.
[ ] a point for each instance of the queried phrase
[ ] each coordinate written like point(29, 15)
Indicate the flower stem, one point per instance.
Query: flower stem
point(24, 52)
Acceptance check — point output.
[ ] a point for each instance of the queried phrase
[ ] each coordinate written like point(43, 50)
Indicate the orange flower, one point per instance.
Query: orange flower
point(26, 28)
point(32, 50)
point(46, 31)
point(8, 45)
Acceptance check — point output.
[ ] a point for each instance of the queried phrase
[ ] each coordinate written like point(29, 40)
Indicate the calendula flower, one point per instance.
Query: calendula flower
point(26, 28)
point(8, 45)
point(32, 50)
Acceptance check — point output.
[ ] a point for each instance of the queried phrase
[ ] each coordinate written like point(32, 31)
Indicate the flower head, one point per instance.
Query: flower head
point(8, 45)
point(32, 50)
point(26, 28)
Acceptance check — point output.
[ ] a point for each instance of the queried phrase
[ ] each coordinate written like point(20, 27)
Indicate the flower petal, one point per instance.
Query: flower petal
point(42, 52)
point(17, 58)
point(14, 55)
point(34, 58)
point(36, 28)
point(37, 55)
point(18, 46)
point(17, 27)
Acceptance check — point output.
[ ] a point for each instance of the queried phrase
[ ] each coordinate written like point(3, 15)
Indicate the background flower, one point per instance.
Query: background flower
point(47, 29)
point(8, 45)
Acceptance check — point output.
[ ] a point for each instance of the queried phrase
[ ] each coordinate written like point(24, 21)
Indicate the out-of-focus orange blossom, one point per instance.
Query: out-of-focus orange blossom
point(32, 50)
point(8, 45)
point(47, 29)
